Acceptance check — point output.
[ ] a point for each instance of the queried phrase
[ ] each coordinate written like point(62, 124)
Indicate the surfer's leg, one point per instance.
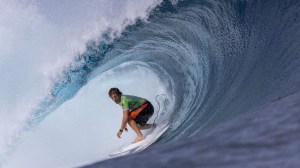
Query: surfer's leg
point(146, 126)
point(134, 126)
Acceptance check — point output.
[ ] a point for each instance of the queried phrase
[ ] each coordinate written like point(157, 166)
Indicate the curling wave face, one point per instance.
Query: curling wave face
point(217, 58)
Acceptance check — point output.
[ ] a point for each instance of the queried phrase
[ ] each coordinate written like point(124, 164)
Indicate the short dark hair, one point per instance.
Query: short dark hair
point(114, 90)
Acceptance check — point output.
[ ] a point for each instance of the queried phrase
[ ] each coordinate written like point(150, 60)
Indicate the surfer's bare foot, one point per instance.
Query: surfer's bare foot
point(138, 139)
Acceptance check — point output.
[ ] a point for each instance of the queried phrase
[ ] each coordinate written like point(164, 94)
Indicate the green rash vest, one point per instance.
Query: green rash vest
point(129, 102)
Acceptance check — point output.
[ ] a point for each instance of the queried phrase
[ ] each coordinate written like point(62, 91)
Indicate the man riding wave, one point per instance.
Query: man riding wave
point(136, 112)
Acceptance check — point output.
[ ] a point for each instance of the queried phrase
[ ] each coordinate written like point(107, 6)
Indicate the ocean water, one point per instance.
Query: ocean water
point(216, 61)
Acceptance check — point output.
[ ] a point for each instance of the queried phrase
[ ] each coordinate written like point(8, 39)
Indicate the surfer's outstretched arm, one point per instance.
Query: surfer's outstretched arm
point(124, 122)
point(125, 119)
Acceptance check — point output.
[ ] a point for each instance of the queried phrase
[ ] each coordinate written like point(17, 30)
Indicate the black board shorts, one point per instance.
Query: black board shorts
point(144, 115)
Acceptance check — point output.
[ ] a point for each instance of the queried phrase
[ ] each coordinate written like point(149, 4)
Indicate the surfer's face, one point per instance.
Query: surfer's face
point(115, 97)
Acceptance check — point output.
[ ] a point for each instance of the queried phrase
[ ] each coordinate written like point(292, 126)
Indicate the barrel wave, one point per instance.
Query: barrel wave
point(217, 60)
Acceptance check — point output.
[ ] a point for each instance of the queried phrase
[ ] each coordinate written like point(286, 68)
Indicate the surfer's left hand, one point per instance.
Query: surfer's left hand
point(126, 129)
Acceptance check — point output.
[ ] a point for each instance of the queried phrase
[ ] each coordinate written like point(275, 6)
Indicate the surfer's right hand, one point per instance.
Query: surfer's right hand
point(119, 134)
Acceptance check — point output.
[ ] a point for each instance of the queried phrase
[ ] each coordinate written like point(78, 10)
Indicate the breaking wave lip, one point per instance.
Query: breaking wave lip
point(219, 59)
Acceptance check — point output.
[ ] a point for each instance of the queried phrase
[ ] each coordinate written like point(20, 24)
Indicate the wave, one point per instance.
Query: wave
point(220, 59)
point(217, 59)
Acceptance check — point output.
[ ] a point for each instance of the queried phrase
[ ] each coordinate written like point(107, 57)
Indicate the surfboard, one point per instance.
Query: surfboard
point(151, 135)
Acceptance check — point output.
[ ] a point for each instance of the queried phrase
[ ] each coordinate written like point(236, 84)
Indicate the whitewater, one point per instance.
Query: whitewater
point(230, 71)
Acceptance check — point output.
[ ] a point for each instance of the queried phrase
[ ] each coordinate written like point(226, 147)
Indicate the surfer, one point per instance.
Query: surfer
point(136, 112)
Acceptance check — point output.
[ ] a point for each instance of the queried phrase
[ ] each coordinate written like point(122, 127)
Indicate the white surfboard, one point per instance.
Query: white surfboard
point(150, 137)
